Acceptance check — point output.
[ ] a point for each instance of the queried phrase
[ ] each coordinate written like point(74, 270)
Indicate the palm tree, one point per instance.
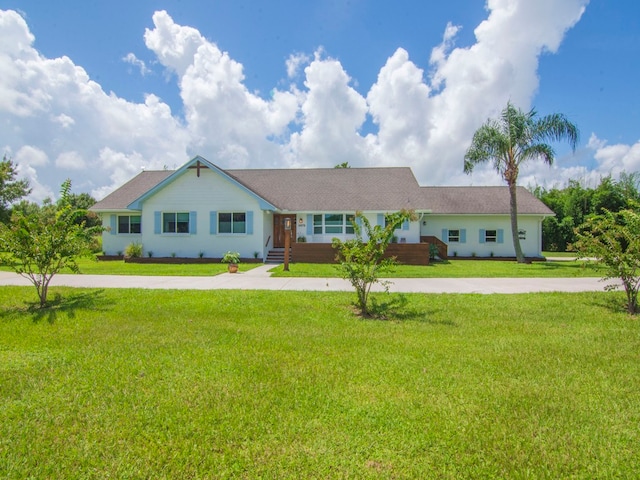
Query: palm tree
point(512, 140)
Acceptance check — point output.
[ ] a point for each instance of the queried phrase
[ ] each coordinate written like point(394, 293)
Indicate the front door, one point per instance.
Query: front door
point(279, 231)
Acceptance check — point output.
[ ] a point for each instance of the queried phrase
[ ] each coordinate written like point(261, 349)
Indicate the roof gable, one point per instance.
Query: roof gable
point(199, 162)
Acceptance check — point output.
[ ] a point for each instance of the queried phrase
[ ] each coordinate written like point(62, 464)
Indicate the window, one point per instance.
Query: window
point(454, 236)
point(333, 223)
point(349, 230)
point(522, 234)
point(129, 224)
point(234, 223)
point(175, 222)
point(317, 224)
point(491, 236)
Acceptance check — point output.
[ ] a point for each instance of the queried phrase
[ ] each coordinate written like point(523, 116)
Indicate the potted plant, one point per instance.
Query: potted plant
point(232, 259)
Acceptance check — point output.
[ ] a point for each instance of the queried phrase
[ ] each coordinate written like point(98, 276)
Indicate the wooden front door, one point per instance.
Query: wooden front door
point(279, 231)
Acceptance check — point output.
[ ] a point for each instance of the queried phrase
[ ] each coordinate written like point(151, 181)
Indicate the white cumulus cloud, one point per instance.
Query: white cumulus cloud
point(131, 59)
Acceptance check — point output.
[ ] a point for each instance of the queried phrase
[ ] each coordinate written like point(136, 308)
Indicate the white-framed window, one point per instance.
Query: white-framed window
point(333, 223)
point(129, 224)
point(490, 236)
point(454, 236)
point(175, 222)
point(232, 222)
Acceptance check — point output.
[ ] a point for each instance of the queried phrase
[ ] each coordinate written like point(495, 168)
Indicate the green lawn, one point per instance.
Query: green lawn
point(455, 269)
point(450, 269)
point(559, 254)
point(252, 384)
point(119, 267)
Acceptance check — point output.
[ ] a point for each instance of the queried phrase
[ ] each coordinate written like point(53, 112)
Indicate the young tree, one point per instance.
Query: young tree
point(10, 188)
point(510, 142)
point(362, 260)
point(613, 239)
point(40, 244)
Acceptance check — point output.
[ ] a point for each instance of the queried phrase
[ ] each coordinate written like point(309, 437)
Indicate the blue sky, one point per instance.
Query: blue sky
point(97, 91)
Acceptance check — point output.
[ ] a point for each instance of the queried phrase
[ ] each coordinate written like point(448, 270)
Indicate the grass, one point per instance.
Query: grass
point(455, 269)
point(559, 254)
point(449, 269)
point(91, 266)
point(251, 384)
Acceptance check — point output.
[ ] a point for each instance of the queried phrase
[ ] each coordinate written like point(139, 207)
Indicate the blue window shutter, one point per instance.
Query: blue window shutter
point(114, 224)
point(249, 220)
point(500, 235)
point(213, 223)
point(482, 236)
point(381, 219)
point(445, 235)
point(309, 224)
point(193, 223)
point(463, 236)
point(359, 221)
point(157, 223)
point(405, 225)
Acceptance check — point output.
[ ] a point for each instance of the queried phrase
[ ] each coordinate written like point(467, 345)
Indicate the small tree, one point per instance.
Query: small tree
point(362, 261)
point(42, 243)
point(613, 239)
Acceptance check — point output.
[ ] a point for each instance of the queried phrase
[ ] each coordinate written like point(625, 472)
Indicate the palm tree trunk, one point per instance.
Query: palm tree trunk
point(514, 223)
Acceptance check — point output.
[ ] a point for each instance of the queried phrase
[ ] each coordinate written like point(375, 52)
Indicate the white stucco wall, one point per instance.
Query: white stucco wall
point(531, 246)
point(188, 193)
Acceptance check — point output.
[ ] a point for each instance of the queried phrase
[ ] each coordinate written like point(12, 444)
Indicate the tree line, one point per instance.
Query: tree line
point(575, 203)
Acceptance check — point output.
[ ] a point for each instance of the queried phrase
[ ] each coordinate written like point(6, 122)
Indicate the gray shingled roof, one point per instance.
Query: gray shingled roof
point(122, 197)
point(334, 189)
point(480, 200)
point(347, 189)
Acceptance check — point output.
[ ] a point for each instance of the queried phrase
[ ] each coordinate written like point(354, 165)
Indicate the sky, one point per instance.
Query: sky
point(98, 91)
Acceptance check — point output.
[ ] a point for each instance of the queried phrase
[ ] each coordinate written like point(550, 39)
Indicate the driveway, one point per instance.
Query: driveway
point(260, 279)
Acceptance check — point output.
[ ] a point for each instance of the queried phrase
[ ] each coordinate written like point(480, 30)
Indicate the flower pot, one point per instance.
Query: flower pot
point(233, 267)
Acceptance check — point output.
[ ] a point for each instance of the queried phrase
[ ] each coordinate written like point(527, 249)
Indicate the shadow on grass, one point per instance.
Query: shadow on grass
point(616, 303)
point(58, 304)
point(68, 305)
point(397, 308)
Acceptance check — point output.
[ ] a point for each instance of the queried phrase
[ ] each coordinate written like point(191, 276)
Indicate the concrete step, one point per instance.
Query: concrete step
point(276, 255)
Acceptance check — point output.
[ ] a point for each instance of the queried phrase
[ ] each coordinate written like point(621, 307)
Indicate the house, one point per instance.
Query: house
point(201, 209)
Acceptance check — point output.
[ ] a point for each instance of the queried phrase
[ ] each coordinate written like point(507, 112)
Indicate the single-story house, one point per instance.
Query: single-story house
point(201, 209)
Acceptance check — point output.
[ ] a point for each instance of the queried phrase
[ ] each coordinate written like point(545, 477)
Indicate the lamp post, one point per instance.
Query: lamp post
point(287, 242)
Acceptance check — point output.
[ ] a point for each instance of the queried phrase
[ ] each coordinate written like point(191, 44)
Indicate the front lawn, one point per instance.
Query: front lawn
point(119, 267)
point(455, 269)
point(253, 384)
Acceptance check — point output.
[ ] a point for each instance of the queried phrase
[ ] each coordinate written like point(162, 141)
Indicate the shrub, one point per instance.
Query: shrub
point(133, 250)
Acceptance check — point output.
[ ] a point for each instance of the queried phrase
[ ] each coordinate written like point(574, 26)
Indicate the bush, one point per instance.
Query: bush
point(133, 250)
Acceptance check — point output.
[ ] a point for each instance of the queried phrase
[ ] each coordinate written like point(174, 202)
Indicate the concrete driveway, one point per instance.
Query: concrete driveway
point(260, 279)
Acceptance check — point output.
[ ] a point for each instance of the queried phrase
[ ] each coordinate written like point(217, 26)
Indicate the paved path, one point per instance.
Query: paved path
point(259, 279)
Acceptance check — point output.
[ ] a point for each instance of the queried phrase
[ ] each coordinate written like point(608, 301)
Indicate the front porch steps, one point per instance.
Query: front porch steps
point(276, 255)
